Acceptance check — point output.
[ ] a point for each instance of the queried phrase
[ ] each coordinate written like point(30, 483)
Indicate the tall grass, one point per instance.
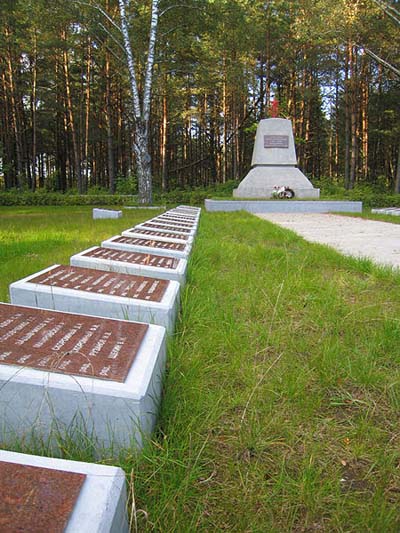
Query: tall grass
point(282, 393)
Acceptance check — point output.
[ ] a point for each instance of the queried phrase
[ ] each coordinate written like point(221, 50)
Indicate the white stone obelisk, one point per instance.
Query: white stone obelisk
point(274, 163)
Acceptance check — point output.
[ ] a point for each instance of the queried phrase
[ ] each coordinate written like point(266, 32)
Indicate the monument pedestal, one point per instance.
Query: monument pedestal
point(274, 164)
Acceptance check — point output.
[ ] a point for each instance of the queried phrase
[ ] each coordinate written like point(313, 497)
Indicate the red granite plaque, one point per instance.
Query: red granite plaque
point(276, 141)
point(169, 227)
point(96, 281)
point(152, 233)
point(69, 344)
point(179, 218)
point(175, 223)
point(135, 258)
point(35, 499)
point(149, 242)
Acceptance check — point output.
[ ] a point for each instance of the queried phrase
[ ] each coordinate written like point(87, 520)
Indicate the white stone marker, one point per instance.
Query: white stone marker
point(94, 292)
point(106, 213)
point(274, 163)
point(61, 495)
point(64, 375)
point(149, 265)
point(160, 235)
point(149, 245)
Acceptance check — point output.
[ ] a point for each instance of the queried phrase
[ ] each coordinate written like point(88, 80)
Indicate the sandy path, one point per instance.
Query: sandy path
point(379, 241)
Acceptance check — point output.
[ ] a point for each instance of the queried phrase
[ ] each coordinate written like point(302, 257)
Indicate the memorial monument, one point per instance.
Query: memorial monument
point(274, 164)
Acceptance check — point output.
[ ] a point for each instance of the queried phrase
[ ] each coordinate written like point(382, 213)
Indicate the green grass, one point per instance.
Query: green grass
point(282, 391)
point(394, 219)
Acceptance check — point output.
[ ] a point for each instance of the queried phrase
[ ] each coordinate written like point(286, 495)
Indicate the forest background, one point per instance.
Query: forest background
point(66, 117)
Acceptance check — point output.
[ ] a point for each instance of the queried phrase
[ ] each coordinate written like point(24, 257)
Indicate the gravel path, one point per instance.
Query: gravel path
point(379, 241)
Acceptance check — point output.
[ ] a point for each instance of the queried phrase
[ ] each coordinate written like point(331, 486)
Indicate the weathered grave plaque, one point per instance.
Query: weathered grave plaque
point(138, 263)
point(43, 494)
point(36, 499)
point(63, 374)
point(149, 242)
point(166, 227)
point(97, 282)
point(176, 224)
point(158, 234)
point(95, 292)
point(133, 257)
point(137, 244)
point(276, 141)
point(68, 343)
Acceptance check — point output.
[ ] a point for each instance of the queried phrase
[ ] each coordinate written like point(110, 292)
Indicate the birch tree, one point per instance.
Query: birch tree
point(141, 104)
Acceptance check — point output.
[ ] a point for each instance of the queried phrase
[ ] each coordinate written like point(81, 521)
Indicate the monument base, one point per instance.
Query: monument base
point(261, 180)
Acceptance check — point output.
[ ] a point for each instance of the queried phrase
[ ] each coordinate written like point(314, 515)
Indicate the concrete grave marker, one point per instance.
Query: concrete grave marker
point(149, 245)
point(63, 374)
point(106, 213)
point(39, 494)
point(95, 292)
point(149, 265)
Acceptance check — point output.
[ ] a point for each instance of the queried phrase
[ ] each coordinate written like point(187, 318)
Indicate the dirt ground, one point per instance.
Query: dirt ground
point(379, 241)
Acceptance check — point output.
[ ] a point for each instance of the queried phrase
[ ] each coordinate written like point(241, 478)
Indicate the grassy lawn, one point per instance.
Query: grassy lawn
point(394, 219)
point(282, 395)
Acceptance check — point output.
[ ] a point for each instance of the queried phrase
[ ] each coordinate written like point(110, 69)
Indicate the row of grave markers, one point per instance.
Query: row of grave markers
point(82, 355)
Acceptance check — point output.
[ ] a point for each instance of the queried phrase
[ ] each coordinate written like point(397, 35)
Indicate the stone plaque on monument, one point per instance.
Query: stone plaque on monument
point(43, 494)
point(62, 373)
point(276, 141)
point(149, 265)
point(152, 246)
point(95, 292)
point(274, 164)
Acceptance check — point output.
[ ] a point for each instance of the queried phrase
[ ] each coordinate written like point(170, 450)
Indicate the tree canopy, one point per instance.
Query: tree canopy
point(66, 114)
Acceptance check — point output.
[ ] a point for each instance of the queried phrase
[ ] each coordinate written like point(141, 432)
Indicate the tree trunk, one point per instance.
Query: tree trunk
point(71, 121)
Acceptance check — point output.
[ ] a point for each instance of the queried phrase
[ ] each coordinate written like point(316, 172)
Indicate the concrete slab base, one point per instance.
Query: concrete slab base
point(106, 213)
point(101, 505)
point(284, 206)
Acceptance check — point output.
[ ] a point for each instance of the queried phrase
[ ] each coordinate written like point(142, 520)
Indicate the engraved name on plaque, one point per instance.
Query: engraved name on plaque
point(276, 141)
point(96, 281)
point(133, 257)
point(152, 233)
point(68, 343)
point(148, 242)
point(166, 227)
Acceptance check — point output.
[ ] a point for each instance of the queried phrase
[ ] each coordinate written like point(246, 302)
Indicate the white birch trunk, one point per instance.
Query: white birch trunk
point(141, 112)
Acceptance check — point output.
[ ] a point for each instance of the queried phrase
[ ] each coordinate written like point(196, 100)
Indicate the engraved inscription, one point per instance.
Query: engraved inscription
point(98, 282)
point(70, 344)
point(133, 257)
point(151, 243)
point(161, 226)
point(276, 141)
point(153, 233)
